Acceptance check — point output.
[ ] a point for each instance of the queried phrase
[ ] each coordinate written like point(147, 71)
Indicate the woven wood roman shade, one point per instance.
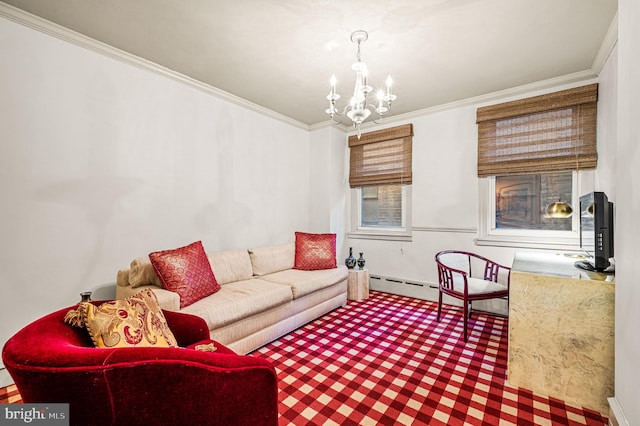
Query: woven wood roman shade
point(382, 157)
point(553, 132)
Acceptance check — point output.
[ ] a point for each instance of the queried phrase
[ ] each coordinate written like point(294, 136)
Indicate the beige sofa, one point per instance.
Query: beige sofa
point(261, 297)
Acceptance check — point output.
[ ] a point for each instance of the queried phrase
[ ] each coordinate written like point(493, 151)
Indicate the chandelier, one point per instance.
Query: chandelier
point(360, 107)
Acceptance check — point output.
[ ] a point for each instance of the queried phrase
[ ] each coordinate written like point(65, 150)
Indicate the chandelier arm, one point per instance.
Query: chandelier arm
point(380, 116)
point(342, 115)
point(333, 120)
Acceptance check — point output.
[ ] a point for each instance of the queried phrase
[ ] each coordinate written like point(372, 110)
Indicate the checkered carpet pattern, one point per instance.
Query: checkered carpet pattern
point(10, 395)
point(387, 361)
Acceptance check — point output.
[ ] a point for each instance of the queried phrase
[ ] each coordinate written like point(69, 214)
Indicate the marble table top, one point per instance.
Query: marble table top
point(559, 264)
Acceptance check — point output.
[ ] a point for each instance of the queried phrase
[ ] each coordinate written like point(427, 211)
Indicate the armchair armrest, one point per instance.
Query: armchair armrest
point(188, 329)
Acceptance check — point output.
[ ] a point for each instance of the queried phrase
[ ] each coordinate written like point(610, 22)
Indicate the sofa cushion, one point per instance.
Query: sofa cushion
point(307, 282)
point(232, 265)
point(136, 321)
point(315, 251)
point(186, 271)
point(267, 260)
point(141, 273)
point(239, 300)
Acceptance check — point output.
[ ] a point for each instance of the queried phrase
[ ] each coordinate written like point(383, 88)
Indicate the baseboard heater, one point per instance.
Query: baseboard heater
point(381, 278)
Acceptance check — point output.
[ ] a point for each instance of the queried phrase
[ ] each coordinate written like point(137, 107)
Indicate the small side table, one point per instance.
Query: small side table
point(358, 284)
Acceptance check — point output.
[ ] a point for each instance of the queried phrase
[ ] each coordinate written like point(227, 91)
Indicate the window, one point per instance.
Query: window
point(511, 215)
point(531, 153)
point(381, 206)
point(521, 201)
point(380, 177)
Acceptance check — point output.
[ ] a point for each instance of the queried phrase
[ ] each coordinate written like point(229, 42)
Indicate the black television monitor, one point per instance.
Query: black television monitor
point(596, 231)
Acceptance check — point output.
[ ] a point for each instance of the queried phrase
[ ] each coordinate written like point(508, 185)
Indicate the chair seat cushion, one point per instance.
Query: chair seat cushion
point(478, 286)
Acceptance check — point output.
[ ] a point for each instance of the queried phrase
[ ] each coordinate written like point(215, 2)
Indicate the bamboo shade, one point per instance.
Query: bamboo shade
point(382, 157)
point(554, 132)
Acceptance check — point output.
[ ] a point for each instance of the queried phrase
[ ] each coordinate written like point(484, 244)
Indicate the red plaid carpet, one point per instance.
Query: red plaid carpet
point(386, 361)
point(9, 395)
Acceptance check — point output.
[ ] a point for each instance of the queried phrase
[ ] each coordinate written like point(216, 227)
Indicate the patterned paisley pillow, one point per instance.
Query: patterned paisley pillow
point(186, 271)
point(315, 251)
point(136, 321)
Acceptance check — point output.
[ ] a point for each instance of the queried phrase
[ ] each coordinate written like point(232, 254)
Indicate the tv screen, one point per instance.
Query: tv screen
point(596, 231)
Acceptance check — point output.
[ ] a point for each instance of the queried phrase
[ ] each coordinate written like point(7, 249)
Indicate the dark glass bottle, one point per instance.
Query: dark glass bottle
point(350, 261)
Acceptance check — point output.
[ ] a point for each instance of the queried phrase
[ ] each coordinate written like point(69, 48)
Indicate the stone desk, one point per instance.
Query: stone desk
point(561, 330)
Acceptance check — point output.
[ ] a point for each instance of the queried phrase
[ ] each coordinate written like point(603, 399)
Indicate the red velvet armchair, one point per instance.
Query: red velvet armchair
point(51, 361)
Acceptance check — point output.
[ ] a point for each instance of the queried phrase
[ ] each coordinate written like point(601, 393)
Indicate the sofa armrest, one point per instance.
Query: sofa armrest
point(188, 329)
point(122, 278)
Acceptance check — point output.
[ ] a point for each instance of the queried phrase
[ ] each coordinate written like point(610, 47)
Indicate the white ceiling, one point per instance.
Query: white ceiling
point(281, 54)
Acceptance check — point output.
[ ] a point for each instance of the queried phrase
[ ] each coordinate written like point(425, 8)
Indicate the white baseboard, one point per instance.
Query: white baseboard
point(616, 415)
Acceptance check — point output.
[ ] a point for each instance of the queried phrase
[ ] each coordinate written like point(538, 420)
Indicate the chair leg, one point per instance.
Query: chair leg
point(439, 305)
point(466, 320)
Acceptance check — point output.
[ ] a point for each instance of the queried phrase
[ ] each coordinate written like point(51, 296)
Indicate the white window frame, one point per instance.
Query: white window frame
point(489, 235)
point(402, 233)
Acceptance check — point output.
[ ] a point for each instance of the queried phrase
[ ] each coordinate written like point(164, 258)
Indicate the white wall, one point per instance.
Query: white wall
point(328, 174)
point(607, 131)
point(627, 378)
point(101, 162)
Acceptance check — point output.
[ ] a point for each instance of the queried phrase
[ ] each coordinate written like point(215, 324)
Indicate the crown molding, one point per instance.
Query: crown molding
point(65, 34)
point(47, 27)
point(568, 80)
point(609, 42)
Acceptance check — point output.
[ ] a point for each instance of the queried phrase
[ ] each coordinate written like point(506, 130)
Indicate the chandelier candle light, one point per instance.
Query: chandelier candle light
point(359, 109)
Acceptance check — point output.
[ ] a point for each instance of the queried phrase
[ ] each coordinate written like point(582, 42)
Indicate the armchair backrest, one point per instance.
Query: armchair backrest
point(449, 262)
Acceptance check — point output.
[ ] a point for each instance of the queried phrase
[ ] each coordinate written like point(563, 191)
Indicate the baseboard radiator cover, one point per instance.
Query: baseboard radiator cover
point(405, 287)
point(426, 290)
point(381, 279)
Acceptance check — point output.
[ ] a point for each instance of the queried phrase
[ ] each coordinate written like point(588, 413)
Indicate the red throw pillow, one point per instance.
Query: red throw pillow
point(186, 271)
point(315, 251)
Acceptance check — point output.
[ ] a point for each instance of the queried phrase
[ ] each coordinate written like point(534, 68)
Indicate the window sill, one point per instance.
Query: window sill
point(381, 235)
point(540, 243)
